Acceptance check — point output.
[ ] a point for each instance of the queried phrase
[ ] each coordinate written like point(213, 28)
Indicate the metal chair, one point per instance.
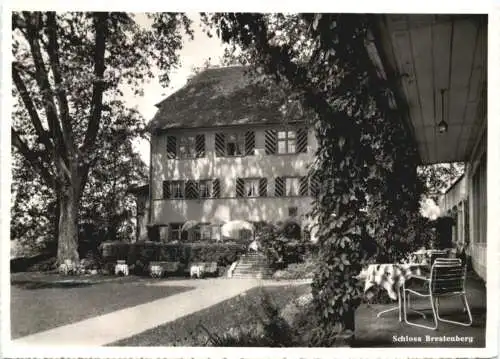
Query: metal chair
point(447, 278)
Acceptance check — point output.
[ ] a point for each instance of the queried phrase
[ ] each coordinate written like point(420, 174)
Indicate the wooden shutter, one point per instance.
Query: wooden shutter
point(279, 187)
point(192, 190)
point(171, 147)
point(200, 146)
point(240, 187)
point(301, 140)
point(263, 187)
point(249, 143)
point(271, 142)
point(166, 190)
point(303, 186)
point(220, 145)
point(313, 186)
point(216, 188)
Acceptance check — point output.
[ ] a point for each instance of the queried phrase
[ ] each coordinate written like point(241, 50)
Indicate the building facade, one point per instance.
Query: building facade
point(231, 167)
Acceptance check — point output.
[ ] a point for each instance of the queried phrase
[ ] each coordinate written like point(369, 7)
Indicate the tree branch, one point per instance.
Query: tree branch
point(34, 158)
point(98, 90)
point(42, 79)
point(53, 51)
point(30, 106)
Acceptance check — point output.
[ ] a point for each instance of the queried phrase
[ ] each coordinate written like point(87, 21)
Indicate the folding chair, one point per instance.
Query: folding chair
point(447, 278)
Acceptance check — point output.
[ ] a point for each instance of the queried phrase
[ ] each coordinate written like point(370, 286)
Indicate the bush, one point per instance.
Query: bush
point(282, 246)
point(295, 326)
point(303, 270)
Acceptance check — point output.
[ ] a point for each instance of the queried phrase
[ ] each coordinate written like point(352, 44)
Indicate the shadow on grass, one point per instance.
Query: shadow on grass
point(71, 283)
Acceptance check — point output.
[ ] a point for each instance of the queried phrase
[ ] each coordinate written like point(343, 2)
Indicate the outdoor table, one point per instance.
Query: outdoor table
point(391, 277)
point(424, 255)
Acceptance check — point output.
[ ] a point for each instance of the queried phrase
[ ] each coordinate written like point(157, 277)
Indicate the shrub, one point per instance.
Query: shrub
point(303, 270)
point(291, 327)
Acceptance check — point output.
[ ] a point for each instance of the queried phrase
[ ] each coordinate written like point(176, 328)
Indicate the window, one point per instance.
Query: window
point(292, 186)
point(251, 187)
point(187, 147)
point(175, 232)
point(209, 232)
point(292, 211)
point(191, 189)
point(184, 147)
point(235, 144)
point(176, 189)
point(173, 189)
point(206, 188)
point(479, 201)
point(286, 142)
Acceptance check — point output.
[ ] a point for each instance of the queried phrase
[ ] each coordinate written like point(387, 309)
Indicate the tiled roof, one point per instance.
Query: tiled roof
point(220, 97)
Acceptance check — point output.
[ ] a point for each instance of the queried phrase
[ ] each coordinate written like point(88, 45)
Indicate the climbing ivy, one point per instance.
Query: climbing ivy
point(368, 203)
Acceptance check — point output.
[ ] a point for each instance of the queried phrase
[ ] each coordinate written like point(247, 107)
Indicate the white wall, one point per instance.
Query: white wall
point(218, 211)
point(477, 249)
point(227, 169)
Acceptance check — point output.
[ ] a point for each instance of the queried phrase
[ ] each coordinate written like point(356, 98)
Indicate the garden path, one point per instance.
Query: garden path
point(124, 323)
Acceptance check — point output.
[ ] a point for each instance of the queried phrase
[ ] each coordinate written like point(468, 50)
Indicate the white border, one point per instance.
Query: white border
point(493, 256)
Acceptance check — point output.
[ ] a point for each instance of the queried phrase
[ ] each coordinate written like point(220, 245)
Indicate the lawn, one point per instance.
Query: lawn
point(242, 309)
point(40, 302)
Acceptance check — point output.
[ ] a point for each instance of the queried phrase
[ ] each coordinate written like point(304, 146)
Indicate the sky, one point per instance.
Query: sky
point(193, 54)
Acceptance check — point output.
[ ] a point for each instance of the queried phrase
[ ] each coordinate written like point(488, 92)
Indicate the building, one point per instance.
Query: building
point(223, 149)
point(438, 65)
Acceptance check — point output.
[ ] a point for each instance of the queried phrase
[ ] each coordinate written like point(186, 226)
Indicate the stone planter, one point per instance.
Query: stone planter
point(121, 268)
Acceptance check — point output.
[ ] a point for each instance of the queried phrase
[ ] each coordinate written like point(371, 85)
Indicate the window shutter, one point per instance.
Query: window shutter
point(279, 187)
point(240, 187)
point(302, 140)
point(192, 190)
point(200, 146)
point(271, 142)
point(216, 188)
point(171, 147)
point(314, 186)
point(303, 186)
point(220, 145)
point(263, 187)
point(166, 190)
point(249, 143)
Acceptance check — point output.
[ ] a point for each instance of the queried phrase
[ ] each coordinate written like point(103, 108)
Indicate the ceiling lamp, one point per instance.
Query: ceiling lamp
point(442, 125)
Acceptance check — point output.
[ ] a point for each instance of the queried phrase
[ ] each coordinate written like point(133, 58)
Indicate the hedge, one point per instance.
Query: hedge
point(140, 254)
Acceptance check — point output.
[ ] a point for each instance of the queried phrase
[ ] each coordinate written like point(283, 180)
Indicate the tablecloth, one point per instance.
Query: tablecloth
point(389, 276)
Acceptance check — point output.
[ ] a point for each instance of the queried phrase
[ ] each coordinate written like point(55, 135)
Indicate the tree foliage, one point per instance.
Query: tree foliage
point(106, 207)
point(366, 160)
point(68, 69)
point(437, 178)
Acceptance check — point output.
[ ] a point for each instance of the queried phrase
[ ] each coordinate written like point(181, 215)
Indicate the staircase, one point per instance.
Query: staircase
point(252, 265)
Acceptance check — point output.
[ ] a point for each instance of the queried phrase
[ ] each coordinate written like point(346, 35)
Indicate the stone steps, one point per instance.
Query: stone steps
point(252, 265)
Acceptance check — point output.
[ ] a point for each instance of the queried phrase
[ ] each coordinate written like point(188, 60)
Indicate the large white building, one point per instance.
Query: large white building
point(223, 149)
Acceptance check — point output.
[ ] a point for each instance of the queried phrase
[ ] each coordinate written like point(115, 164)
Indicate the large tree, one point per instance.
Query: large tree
point(68, 69)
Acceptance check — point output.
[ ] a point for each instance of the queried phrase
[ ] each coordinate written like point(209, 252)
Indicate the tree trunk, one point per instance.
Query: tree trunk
point(67, 249)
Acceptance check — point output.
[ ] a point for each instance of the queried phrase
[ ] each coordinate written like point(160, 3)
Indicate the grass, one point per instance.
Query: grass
point(41, 302)
point(243, 309)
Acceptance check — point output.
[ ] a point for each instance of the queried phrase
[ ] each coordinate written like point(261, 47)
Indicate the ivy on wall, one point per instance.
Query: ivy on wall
point(366, 161)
